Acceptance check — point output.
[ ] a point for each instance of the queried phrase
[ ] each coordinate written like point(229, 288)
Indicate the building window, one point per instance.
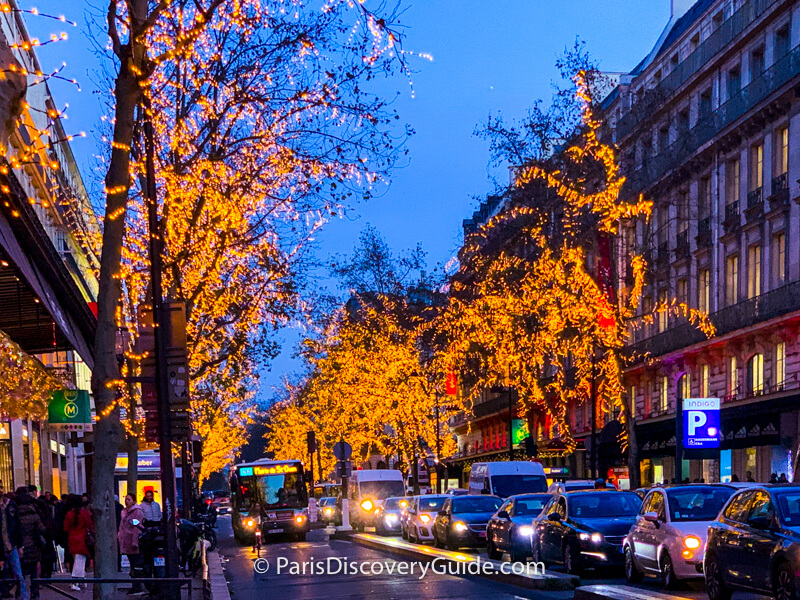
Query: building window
point(780, 365)
point(704, 290)
point(705, 376)
point(704, 198)
point(706, 105)
point(781, 151)
point(686, 385)
point(663, 395)
point(663, 138)
point(732, 279)
point(663, 317)
point(778, 259)
point(733, 376)
point(754, 271)
point(755, 375)
point(734, 81)
point(756, 63)
point(732, 181)
point(682, 289)
point(647, 310)
point(782, 42)
point(756, 166)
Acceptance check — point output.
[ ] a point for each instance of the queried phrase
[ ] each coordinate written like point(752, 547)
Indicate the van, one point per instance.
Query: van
point(507, 478)
point(367, 490)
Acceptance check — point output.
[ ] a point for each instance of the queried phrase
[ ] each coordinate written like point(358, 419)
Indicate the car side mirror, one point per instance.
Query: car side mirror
point(651, 516)
point(554, 516)
point(411, 511)
point(502, 515)
point(442, 513)
point(761, 523)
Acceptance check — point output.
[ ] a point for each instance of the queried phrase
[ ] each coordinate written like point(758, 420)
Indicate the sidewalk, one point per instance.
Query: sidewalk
point(63, 591)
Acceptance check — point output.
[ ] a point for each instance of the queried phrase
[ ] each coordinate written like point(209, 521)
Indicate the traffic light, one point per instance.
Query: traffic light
point(531, 449)
point(311, 438)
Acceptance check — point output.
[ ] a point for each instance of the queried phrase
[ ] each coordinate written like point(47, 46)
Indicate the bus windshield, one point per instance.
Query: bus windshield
point(286, 489)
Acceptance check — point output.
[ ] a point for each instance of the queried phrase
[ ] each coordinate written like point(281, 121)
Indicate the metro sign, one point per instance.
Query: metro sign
point(701, 423)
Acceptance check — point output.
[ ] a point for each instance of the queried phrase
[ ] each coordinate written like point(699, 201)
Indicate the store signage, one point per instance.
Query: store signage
point(69, 411)
point(275, 470)
point(519, 430)
point(701, 423)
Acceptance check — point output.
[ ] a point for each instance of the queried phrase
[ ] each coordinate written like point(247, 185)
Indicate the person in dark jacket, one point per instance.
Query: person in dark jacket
point(49, 555)
point(11, 545)
point(32, 532)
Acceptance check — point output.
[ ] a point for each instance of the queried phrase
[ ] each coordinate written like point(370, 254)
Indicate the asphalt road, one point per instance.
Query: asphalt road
point(246, 584)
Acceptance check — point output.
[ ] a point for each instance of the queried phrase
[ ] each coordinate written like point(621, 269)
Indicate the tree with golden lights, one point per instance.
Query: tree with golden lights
point(536, 303)
point(264, 128)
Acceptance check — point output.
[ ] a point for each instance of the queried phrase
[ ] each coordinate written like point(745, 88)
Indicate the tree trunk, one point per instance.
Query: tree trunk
point(108, 430)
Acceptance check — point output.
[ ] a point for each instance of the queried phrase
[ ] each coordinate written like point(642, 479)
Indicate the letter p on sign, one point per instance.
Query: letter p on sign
point(697, 419)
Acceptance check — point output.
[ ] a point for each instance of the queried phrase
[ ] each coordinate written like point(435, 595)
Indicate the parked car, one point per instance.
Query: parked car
point(387, 516)
point(457, 492)
point(511, 528)
point(754, 544)
point(585, 529)
point(669, 536)
point(328, 510)
point(462, 521)
point(571, 485)
point(420, 516)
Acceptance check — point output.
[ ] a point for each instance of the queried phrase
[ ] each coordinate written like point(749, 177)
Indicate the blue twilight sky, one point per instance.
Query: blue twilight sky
point(487, 57)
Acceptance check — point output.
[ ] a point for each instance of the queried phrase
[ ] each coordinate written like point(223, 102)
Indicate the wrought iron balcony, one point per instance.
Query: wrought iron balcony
point(779, 74)
point(755, 197)
point(682, 244)
point(780, 191)
point(732, 220)
point(719, 39)
point(762, 308)
point(703, 238)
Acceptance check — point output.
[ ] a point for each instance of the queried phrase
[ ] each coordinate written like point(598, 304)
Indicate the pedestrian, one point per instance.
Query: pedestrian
point(79, 529)
point(32, 532)
point(151, 508)
point(748, 477)
point(128, 538)
point(686, 480)
point(33, 491)
point(49, 554)
point(12, 545)
point(59, 511)
point(735, 478)
point(773, 478)
point(782, 478)
point(600, 484)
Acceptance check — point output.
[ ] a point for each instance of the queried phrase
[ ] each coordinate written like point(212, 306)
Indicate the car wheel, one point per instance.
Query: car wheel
point(632, 574)
point(517, 555)
point(404, 533)
point(715, 585)
point(492, 550)
point(668, 580)
point(783, 584)
point(450, 545)
point(536, 552)
point(411, 538)
point(436, 542)
point(571, 560)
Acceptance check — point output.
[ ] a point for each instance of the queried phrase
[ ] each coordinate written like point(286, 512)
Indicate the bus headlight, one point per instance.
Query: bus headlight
point(367, 505)
point(460, 527)
point(425, 519)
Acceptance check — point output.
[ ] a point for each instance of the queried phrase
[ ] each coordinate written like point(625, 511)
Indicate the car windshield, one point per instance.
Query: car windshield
point(475, 504)
point(430, 504)
point(789, 506)
point(530, 506)
point(697, 504)
point(327, 501)
point(381, 489)
point(602, 505)
point(510, 485)
point(394, 503)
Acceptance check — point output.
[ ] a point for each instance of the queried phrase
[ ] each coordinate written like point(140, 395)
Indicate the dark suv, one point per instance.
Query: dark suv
point(754, 544)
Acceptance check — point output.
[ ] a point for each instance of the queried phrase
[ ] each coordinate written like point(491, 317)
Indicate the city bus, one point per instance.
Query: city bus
point(270, 496)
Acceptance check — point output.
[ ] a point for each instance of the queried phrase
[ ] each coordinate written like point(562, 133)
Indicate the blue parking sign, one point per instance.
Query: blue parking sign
point(701, 423)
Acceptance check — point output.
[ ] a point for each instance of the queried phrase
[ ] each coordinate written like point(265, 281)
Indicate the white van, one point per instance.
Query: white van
point(368, 489)
point(508, 478)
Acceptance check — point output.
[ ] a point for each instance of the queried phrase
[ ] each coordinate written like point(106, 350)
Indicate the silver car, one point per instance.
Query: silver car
point(668, 538)
point(420, 516)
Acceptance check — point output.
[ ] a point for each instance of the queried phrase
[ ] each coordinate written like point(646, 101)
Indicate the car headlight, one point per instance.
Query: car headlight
point(328, 511)
point(425, 519)
point(391, 518)
point(596, 538)
point(403, 503)
point(300, 519)
point(526, 531)
point(692, 542)
point(460, 527)
point(367, 505)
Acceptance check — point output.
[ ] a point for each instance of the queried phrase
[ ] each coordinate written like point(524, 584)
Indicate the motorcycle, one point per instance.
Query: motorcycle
point(191, 540)
point(153, 549)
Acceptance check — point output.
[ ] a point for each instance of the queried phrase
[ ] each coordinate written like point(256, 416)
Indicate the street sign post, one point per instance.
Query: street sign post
point(342, 450)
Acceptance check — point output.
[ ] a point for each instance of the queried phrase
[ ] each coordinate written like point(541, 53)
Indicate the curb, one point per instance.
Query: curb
point(546, 581)
point(216, 577)
point(620, 592)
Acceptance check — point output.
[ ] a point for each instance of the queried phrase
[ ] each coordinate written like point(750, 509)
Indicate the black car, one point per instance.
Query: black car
point(462, 521)
point(754, 544)
point(511, 528)
point(585, 529)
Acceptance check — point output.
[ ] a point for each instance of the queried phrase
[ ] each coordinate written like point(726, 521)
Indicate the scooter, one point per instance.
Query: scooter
point(153, 548)
point(190, 537)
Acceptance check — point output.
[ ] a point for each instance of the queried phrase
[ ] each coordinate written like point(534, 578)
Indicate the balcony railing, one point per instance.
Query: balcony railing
point(755, 197)
point(762, 308)
point(732, 211)
point(706, 128)
point(682, 244)
point(704, 226)
point(719, 39)
point(780, 190)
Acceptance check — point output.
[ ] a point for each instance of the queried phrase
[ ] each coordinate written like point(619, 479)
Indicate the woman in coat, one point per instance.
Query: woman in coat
point(32, 530)
point(130, 527)
point(78, 526)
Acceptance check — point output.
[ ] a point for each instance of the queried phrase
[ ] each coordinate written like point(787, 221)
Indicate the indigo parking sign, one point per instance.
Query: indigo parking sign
point(701, 423)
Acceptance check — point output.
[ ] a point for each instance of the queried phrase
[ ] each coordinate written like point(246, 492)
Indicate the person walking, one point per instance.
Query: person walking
point(49, 556)
point(79, 527)
point(11, 546)
point(128, 537)
point(151, 508)
point(32, 531)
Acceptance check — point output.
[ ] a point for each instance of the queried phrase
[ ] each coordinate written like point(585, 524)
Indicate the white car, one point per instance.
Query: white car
point(571, 485)
point(668, 538)
point(420, 516)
